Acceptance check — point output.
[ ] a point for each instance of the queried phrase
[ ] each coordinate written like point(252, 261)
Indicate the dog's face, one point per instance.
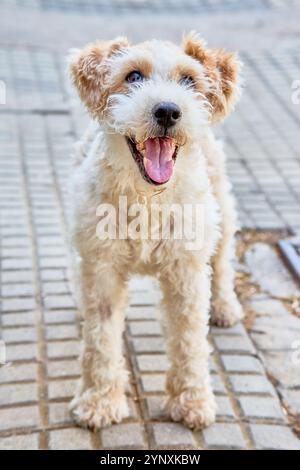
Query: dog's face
point(157, 95)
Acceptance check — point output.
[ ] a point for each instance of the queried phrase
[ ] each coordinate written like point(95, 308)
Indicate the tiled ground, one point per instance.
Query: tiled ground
point(39, 322)
point(126, 6)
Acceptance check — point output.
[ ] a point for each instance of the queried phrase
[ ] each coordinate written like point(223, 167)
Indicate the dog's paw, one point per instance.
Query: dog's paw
point(226, 312)
point(95, 411)
point(193, 407)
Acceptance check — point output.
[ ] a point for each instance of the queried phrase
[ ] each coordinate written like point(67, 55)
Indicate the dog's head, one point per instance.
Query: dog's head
point(157, 95)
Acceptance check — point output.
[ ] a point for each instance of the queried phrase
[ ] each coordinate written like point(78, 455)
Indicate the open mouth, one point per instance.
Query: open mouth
point(155, 158)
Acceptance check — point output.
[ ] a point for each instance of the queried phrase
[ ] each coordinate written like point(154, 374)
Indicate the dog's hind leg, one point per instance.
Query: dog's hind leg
point(185, 313)
point(226, 308)
point(100, 399)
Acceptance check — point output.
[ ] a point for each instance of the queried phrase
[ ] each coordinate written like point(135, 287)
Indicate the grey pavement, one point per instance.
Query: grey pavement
point(255, 378)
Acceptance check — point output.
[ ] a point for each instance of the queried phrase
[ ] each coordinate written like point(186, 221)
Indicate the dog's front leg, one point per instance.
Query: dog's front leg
point(186, 305)
point(100, 399)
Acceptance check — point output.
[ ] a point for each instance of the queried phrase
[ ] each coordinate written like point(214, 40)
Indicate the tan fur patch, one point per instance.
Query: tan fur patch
point(89, 71)
point(222, 71)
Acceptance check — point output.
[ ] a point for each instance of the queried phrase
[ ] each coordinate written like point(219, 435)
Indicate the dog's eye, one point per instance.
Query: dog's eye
point(135, 77)
point(187, 80)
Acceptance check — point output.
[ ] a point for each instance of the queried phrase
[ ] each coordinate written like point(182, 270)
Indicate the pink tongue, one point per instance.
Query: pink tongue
point(158, 160)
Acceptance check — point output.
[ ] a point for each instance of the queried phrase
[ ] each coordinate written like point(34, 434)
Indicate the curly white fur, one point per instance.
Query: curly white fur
point(106, 170)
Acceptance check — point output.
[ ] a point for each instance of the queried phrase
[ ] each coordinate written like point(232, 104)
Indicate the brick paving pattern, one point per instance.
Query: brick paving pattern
point(127, 6)
point(39, 320)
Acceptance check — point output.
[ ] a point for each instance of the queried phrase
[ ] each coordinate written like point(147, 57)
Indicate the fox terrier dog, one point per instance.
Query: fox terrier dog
point(152, 107)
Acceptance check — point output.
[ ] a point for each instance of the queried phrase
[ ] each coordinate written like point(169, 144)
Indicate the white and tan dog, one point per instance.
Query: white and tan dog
point(152, 106)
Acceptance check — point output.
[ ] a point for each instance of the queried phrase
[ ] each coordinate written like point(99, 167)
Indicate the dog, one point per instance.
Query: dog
point(152, 107)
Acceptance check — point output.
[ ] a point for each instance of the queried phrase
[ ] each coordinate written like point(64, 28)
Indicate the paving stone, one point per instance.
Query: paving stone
point(50, 240)
point(17, 305)
point(16, 276)
point(261, 407)
point(224, 436)
point(59, 301)
point(274, 437)
point(19, 417)
point(269, 272)
point(217, 384)
point(224, 407)
point(52, 250)
point(234, 344)
point(52, 262)
point(61, 332)
point(155, 407)
point(122, 436)
point(281, 366)
point(18, 393)
point(172, 434)
point(145, 298)
point(291, 400)
point(251, 384)
point(60, 316)
point(212, 364)
point(152, 363)
point(20, 442)
point(144, 328)
point(16, 241)
point(14, 290)
point(269, 339)
point(268, 306)
point(20, 319)
point(19, 335)
point(55, 288)
point(61, 388)
point(17, 372)
point(53, 275)
point(59, 413)
point(141, 313)
point(237, 329)
point(17, 263)
point(271, 323)
point(63, 349)
point(70, 439)
point(148, 345)
point(20, 352)
point(133, 412)
point(63, 368)
point(242, 364)
point(152, 382)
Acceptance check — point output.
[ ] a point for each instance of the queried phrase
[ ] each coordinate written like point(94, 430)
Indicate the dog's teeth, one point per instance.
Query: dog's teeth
point(141, 146)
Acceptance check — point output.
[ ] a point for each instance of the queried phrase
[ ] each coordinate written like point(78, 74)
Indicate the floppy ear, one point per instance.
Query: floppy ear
point(89, 69)
point(222, 70)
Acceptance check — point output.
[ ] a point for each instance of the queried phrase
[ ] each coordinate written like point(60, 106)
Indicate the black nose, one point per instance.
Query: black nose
point(166, 114)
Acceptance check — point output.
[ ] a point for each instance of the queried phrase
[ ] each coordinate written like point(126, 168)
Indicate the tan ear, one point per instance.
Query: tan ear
point(89, 69)
point(222, 69)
